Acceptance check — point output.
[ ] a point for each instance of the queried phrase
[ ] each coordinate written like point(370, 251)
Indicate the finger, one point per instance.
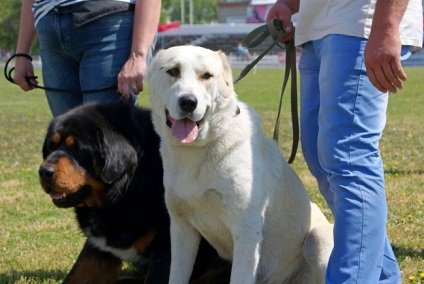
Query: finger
point(32, 82)
point(137, 87)
point(387, 85)
point(383, 81)
point(134, 89)
point(288, 30)
point(373, 78)
point(288, 36)
point(389, 79)
point(398, 70)
point(123, 90)
point(287, 25)
point(140, 85)
point(22, 83)
point(394, 80)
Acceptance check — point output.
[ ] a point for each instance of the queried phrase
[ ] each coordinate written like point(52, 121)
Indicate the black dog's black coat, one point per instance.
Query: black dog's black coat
point(103, 160)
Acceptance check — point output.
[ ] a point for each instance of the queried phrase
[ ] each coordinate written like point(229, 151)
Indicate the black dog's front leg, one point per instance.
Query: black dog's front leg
point(94, 266)
point(159, 261)
point(208, 268)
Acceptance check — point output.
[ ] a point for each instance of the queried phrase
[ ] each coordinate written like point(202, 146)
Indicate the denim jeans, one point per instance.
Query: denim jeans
point(342, 119)
point(88, 57)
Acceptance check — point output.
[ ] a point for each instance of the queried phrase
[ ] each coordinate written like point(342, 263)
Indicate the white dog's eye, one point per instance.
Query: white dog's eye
point(174, 72)
point(206, 76)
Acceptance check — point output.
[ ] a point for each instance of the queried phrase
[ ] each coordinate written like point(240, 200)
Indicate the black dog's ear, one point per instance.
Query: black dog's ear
point(47, 140)
point(120, 158)
point(44, 150)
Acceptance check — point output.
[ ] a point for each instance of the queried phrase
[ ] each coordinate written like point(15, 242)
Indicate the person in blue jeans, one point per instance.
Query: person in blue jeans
point(87, 45)
point(350, 62)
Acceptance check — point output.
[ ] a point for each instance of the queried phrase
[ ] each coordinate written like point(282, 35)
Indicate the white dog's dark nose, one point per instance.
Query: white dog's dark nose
point(188, 103)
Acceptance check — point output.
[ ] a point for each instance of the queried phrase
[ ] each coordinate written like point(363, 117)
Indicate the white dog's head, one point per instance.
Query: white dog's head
point(188, 85)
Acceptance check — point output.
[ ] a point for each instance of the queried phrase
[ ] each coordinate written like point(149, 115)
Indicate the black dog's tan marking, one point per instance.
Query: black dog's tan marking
point(103, 160)
point(94, 266)
point(59, 174)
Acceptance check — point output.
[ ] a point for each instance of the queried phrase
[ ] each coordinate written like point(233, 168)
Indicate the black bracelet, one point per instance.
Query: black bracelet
point(22, 55)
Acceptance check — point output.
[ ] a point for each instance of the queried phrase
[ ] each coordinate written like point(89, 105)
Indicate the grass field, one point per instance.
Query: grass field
point(39, 242)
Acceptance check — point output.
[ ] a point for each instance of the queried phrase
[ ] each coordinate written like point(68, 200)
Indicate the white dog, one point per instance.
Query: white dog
point(226, 182)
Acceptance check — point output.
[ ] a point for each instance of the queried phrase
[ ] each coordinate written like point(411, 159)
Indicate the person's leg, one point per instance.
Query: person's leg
point(104, 46)
point(60, 70)
point(309, 69)
point(103, 60)
point(351, 119)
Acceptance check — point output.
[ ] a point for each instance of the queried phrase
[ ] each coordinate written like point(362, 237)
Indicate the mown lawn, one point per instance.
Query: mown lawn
point(39, 242)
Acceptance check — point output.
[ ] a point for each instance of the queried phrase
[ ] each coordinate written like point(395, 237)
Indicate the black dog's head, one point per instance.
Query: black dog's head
point(86, 161)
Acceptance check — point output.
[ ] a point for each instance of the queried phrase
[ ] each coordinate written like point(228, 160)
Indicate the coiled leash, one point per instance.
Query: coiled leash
point(9, 77)
point(275, 29)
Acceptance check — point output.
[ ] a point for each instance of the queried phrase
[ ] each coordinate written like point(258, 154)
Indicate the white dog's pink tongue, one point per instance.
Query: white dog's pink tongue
point(185, 130)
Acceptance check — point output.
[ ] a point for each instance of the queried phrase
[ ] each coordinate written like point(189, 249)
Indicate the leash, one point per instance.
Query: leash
point(274, 29)
point(9, 77)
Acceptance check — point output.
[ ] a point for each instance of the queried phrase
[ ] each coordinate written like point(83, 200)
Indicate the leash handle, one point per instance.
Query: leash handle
point(274, 29)
point(8, 75)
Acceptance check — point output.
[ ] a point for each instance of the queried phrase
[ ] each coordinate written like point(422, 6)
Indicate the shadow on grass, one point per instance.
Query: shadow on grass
point(32, 276)
point(57, 276)
point(392, 171)
point(49, 276)
point(402, 253)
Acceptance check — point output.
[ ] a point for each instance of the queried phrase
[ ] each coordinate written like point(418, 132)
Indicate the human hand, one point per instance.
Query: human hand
point(382, 61)
point(130, 79)
point(24, 69)
point(283, 12)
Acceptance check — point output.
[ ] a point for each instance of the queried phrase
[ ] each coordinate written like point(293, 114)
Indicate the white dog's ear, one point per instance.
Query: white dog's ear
point(228, 75)
point(152, 64)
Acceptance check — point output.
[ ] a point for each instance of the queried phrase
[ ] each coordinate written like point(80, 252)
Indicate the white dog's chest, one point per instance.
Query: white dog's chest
point(208, 215)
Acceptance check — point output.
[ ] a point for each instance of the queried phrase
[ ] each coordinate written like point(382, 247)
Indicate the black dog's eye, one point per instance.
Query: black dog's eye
point(72, 142)
point(206, 76)
point(51, 147)
point(174, 72)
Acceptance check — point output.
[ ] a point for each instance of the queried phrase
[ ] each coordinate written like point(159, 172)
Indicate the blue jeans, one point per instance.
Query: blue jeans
point(88, 57)
point(342, 119)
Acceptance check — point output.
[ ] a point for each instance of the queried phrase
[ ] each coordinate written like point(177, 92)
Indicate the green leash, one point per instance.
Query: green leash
point(274, 29)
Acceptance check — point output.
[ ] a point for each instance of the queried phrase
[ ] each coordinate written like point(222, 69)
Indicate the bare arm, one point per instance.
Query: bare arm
point(382, 52)
point(283, 10)
point(146, 20)
point(26, 38)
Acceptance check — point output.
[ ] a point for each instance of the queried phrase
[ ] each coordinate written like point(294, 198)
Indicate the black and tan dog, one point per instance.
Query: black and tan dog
point(103, 160)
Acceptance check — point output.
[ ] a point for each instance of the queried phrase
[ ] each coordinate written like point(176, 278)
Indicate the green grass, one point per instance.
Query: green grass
point(39, 242)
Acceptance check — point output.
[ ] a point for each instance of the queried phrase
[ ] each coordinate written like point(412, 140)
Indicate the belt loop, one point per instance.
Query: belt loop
point(55, 10)
point(63, 10)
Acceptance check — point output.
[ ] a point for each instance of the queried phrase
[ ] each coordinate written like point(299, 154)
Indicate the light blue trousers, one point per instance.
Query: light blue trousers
point(88, 57)
point(342, 119)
